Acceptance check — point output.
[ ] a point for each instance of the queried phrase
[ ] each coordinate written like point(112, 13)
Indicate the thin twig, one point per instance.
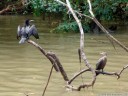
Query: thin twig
point(90, 8)
point(109, 35)
point(100, 72)
point(48, 81)
point(123, 69)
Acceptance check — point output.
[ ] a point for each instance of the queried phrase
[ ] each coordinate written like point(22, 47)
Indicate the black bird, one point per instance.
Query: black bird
point(26, 31)
point(101, 62)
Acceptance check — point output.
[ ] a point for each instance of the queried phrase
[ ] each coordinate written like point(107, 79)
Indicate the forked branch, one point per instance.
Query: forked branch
point(82, 53)
point(118, 74)
point(81, 50)
point(53, 59)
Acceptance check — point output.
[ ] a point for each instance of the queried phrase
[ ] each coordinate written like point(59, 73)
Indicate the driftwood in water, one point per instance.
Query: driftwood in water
point(58, 67)
point(81, 52)
point(118, 74)
point(56, 63)
point(53, 59)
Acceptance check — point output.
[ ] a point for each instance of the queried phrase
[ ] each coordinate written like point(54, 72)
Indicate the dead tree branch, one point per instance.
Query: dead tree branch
point(97, 71)
point(109, 35)
point(92, 17)
point(81, 50)
point(122, 70)
point(53, 59)
point(103, 29)
point(90, 8)
point(82, 44)
point(48, 81)
point(82, 53)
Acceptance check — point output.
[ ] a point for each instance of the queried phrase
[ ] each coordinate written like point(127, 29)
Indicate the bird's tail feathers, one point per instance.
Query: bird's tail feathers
point(22, 40)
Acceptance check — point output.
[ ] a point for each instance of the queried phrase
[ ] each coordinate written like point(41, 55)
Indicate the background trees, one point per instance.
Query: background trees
point(105, 10)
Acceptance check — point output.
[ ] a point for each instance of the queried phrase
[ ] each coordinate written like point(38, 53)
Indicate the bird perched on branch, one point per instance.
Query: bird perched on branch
point(101, 62)
point(26, 31)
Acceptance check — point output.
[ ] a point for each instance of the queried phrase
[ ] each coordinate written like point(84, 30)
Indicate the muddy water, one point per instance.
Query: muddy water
point(24, 70)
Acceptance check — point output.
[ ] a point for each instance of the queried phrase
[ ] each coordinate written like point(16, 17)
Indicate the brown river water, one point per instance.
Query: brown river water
point(24, 70)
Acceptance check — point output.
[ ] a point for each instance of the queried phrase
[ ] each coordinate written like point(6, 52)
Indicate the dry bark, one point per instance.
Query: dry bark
point(118, 74)
point(53, 59)
point(82, 54)
point(81, 49)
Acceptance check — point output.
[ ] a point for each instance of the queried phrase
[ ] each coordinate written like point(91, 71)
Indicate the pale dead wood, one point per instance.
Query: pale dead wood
point(81, 50)
point(103, 29)
point(82, 53)
point(90, 8)
point(118, 74)
point(92, 17)
point(122, 70)
point(77, 74)
point(109, 35)
point(53, 59)
point(59, 65)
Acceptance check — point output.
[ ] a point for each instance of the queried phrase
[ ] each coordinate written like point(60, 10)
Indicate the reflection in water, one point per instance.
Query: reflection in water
point(23, 69)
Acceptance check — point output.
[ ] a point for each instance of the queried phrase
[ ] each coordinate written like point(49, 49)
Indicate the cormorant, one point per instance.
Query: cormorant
point(101, 62)
point(26, 31)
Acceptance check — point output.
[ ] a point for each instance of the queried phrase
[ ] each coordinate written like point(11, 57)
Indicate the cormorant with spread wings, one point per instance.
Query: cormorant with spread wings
point(23, 33)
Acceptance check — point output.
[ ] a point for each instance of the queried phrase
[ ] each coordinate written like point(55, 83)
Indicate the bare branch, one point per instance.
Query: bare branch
point(109, 35)
point(83, 14)
point(53, 59)
point(97, 71)
point(123, 69)
point(48, 81)
point(64, 4)
point(82, 53)
point(61, 2)
point(82, 42)
point(90, 8)
point(77, 74)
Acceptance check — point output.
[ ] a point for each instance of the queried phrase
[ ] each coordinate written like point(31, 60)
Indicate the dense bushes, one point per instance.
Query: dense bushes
point(107, 10)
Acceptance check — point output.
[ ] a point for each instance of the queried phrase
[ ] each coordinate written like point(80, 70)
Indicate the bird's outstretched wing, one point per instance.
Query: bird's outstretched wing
point(18, 32)
point(33, 31)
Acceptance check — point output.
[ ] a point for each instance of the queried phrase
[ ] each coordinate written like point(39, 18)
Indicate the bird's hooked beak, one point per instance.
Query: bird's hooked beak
point(103, 53)
point(31, 20)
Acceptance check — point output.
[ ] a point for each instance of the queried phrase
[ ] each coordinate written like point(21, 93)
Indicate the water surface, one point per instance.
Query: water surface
point(24, 70)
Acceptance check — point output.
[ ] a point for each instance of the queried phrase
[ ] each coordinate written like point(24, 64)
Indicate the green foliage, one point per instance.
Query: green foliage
point(103, 10)
point(107, 9)
point(71, 27)
point(67, 27)
point(37, 6)
point(40, 6)
point(55, 8)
